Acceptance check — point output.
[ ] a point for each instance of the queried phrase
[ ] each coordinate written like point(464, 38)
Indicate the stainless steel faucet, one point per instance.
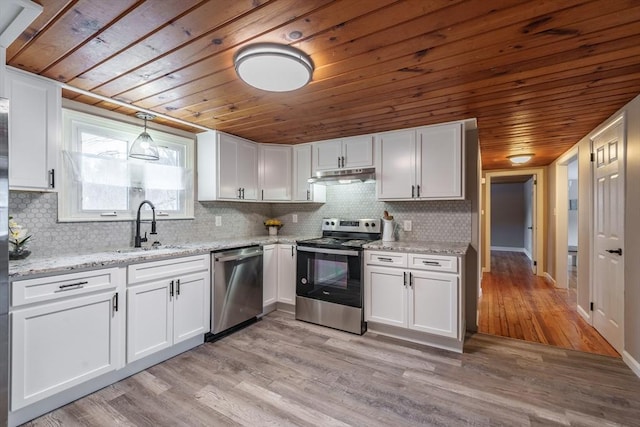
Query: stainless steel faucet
point(139, 239)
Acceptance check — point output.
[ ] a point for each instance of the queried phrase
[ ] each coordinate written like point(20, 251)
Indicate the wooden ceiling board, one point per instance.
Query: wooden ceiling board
point(537, 75)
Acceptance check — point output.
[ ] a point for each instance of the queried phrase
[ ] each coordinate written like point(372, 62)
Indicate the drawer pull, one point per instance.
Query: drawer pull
point(71, 286)
point(436, 263)
point(385, 259)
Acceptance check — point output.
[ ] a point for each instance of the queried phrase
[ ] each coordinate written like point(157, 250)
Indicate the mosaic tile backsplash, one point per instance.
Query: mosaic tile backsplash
point(445, 221)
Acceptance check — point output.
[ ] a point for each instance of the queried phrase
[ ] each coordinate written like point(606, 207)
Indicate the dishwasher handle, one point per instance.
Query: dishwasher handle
point(238, 257)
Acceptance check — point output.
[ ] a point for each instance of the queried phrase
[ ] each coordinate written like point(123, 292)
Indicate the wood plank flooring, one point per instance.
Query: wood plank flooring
point(283, 372)
point(517, 304)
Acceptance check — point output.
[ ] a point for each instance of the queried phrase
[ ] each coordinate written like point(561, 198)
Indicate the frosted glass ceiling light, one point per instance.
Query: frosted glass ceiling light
point(273, 67)
point(143, 147)
point(518, 159)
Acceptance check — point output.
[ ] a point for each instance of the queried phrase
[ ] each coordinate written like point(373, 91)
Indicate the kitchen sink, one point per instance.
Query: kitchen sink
point(147, 249)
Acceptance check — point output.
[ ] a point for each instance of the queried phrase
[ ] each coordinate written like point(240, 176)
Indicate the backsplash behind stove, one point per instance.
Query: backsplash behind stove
point(445, 221)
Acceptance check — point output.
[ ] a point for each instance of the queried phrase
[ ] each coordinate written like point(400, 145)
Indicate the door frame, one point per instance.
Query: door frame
point(562, 217)
point(539, 216)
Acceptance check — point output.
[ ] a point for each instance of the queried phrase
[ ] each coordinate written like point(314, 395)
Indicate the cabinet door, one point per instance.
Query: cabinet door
point(58, 345)
point(275, 172)
point(191, 314)
point(396, 165)
point(302, 172)
point(287, 274)
point(269, 275)
point(433, 300)
point(441, 155)
point(385, 292)
point(227, 174)
point(149, 319)
point(358, 151)
point(327, 154)
point(34, 130)
point(247, 169)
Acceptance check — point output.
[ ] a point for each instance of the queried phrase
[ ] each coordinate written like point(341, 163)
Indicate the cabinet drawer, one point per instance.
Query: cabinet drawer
point(30, 291)
point(391, 259)
point(138, 273)
point(442, 263)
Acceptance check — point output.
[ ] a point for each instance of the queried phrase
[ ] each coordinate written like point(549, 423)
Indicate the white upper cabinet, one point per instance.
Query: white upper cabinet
point(227, 167)
point(352, 152)
point(441, 168)
point(34, 130)
point(302, 190)
point(275, 172)
point(421, 164)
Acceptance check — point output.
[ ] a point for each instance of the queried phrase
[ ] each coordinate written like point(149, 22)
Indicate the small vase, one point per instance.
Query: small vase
point(19, 253)
point(273, 231)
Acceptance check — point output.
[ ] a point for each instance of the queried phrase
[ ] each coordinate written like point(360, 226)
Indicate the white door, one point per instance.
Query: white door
point(608, 265)
point(149, 319)
point(191, 314)
point(287, 274)
point(440, 162)
point(275, 172)
point(327, 155)
point(56, 346)
point(531, 187)
point(269, 275)
point(301, 172)
point(396, 165)
point(433, 303)
point(358, 151)
point(227, 158)
point(385, 291)
point(247, 169)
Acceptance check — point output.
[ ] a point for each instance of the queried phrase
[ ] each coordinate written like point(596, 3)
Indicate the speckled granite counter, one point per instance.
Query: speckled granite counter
point(442, 248)
point(66, 263)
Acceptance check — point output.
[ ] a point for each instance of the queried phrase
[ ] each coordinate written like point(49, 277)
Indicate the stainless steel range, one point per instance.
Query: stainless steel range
point(329, 274)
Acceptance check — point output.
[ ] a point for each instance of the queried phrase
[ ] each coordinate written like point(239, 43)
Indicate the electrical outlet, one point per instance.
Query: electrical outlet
point(294, 218)
point(407, 225)
point(218, 221)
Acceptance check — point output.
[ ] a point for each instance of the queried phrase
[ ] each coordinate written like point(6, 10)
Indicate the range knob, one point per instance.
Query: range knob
point(366, 224)
point(373, 224)
point(333, 223)
point(326, 223)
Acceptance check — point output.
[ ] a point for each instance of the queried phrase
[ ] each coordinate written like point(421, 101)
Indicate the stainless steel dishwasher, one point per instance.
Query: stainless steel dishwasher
point(237, 287)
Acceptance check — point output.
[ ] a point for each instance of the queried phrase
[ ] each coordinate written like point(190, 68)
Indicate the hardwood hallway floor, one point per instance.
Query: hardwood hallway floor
point(517, 304)
point(283, 372)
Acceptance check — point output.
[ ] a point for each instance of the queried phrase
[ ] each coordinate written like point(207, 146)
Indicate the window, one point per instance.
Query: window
point(100, 181)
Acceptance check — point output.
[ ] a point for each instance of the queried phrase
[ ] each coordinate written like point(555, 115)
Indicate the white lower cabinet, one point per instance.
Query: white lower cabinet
point(65, 330)
point(168, 302)
point(414, 291)
point(287, 274)
point(269, 275)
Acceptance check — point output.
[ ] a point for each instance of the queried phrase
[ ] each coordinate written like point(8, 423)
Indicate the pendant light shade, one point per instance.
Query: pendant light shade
point(273, 67)
point(144, 148)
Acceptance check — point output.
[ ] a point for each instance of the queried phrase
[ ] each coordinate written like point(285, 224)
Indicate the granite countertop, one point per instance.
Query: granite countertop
point(118, 258)
point(439, 248)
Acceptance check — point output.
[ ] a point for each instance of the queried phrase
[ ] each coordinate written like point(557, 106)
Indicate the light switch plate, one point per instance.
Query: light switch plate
point(407, 225)
point(218, 221)
point(294, 218)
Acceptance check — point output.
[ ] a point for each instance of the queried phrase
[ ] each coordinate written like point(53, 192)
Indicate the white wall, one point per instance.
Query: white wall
point(507, 215)
point(572, 219)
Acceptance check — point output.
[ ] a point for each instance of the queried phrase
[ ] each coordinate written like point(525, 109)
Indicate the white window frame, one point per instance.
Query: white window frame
point(69, 203)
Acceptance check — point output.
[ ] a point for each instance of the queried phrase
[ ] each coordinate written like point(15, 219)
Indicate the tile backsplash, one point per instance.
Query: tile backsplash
point(445, 221)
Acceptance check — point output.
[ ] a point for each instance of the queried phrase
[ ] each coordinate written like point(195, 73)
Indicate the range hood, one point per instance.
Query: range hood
point(343, 176)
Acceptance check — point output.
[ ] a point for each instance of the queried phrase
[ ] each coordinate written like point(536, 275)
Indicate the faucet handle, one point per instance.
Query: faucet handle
point(144, 239)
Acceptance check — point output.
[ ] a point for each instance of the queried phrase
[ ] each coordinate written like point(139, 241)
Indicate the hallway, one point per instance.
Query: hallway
point(517, 304)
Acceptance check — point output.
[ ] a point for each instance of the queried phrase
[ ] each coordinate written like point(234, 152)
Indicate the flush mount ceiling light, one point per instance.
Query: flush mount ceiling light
point(518, 159)
point(273, 67)
point(144, 148)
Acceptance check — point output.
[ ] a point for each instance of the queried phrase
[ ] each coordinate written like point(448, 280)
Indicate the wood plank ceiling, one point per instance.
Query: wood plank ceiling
point(537, 74)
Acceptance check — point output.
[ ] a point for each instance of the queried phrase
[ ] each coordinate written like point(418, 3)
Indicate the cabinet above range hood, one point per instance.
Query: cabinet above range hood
point(343, 176)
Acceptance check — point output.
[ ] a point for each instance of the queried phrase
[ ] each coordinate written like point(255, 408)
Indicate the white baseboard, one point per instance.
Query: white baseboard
point(549, 278)
point(527, 253)
point(631, 362)
point(585, 315)
point(507, 249)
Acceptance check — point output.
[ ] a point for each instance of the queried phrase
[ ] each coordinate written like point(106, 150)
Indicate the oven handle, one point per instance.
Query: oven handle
point(327, 251)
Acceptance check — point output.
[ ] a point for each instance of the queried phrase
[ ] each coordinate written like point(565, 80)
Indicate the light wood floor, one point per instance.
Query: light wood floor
point(517, 304)
point(283, 372)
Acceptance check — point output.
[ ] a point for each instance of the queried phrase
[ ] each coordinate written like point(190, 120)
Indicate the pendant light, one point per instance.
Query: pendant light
point(273, 67)
point(144, 148)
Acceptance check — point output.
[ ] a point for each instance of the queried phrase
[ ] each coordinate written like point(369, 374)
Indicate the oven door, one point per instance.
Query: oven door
point(332, 275)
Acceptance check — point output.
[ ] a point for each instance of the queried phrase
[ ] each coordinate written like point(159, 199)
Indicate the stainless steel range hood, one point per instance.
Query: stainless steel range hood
point(343, 176)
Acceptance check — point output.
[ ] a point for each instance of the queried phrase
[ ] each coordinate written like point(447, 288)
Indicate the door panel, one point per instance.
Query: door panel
point(608, 286)
point(190, 308)
point(386, 296)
